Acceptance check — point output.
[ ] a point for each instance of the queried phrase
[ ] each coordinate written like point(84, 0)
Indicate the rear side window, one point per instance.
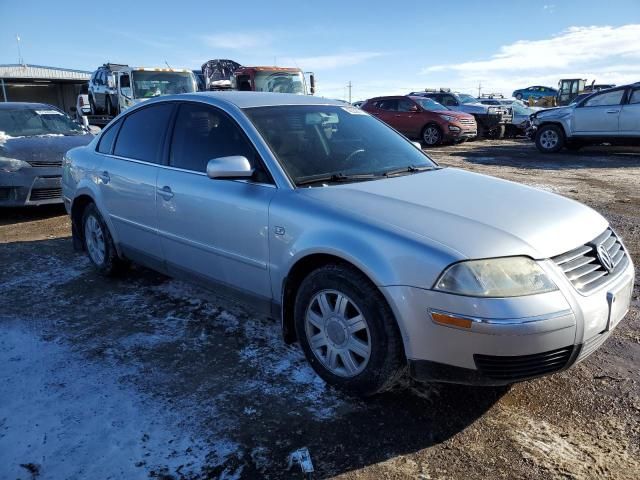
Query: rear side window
point(142, 134)
point(107, 138)
point(388, 104)
point(202, 133)
point(635, 97)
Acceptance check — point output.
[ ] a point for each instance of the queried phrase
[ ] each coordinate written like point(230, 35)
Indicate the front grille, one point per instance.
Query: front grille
point(38, 194)
point(583, 266)
point(523, 366)
point(38, 163)
point(467, 121)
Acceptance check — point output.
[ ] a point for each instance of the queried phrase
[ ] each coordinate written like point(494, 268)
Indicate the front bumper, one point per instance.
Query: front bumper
point(510, 339)
point(31, 186)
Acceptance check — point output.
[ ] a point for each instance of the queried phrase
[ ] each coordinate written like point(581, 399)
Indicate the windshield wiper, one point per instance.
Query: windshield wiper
point(334, 177)
point(409, 169)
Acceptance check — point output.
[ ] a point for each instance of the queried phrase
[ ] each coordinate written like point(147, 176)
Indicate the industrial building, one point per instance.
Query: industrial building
point(36, 83)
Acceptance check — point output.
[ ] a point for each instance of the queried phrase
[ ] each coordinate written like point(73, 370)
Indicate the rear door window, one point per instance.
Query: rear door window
point(107, 138)
point(143, 132)
point(405, 105)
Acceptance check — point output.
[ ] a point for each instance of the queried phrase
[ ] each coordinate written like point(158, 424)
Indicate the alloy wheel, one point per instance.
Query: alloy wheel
point(549, 139)
point(94, 237)
point(431, 136)
point(338, 333)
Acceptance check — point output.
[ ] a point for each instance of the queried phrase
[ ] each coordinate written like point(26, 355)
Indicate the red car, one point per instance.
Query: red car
point(422, 118)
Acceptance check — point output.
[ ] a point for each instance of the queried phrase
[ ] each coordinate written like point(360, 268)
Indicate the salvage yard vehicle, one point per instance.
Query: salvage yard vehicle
point(33, 139)
point(534, 92)
point(491, 119)
point(608, 116)
point(102, 89)
point(422, 118)
point(373, 256)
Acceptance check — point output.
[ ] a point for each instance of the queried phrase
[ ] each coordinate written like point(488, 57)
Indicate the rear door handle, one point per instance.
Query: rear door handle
point(104, 177)
point(613, 111)
point(165, 192)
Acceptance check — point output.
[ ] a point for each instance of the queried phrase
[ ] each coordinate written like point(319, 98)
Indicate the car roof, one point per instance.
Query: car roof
point(253, 99)
point(24, 106)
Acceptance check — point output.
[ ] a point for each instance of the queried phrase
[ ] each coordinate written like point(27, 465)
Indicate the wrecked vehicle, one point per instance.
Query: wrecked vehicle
point(491, 119)
point(33, 140)
point(608, 116)
point(374, 258)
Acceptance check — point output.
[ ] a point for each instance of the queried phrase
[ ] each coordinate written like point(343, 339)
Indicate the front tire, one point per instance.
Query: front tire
point(347, 331)
point(550, 139)
point(431, 135)
point(519, 96)
point(99, 244)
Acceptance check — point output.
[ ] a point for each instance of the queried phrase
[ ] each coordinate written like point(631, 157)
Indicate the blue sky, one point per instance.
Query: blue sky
point(382, 47)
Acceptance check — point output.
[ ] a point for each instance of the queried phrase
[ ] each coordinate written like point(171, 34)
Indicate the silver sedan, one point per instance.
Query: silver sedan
point(373, 257)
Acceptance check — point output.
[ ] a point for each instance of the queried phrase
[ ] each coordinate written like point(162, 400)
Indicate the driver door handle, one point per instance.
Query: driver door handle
point(613, 111)
point(165, 192)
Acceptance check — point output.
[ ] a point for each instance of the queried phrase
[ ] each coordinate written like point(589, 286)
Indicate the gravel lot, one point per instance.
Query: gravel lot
point(147, 377)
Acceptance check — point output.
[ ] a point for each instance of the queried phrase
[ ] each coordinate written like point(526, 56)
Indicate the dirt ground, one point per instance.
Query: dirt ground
point(147, 377)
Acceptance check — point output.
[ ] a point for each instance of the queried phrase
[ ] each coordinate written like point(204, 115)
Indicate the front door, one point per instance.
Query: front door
point(128, 181)
point(406, 118)
point(599, 114)
point(215, 229)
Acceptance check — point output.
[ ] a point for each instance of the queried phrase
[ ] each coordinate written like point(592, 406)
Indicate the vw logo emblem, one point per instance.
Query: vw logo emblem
point(605, 258)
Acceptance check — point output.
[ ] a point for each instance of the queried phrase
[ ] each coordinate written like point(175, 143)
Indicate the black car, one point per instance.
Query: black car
point(33, 139)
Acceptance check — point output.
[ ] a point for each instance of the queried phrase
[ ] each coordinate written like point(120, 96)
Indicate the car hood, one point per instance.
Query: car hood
point(45, 148)
point(553, 112)
point(475, 215)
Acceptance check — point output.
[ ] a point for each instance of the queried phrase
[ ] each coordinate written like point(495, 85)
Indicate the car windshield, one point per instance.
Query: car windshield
point(152, 84)
point(521, 110)
point(429, 104)
point(323, 140)
point(279, 82)
point(45, 120)
point(464, 98)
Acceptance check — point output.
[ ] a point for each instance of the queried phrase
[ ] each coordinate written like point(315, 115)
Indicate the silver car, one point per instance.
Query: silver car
point(608, 116)
point(373, 257)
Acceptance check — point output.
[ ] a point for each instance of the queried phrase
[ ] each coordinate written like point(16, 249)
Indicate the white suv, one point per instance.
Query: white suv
point(611, 116)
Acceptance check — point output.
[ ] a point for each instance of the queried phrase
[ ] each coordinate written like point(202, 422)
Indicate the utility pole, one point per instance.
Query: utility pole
point(349, 87)
point(479, 89)
point(20, 59)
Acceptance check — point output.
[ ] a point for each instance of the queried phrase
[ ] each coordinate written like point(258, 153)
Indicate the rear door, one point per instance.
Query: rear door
point(407, 119)
point(127, 180)
point(215, 229)
point(630, 115)
point(598, 116)
point(386, 110)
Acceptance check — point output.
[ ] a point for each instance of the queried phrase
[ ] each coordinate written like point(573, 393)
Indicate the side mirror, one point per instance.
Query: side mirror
point(235, 166)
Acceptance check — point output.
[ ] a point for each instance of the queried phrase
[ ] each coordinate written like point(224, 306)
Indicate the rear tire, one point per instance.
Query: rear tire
point(550, 139)
point(99, 244)
point(347, 331)
point(518, 96)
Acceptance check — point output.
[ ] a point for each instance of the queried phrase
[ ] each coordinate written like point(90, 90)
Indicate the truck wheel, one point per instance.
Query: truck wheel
point(99, 244)
point(550, 139)
point(431, 135)
point(518, 96)
point(347, 331)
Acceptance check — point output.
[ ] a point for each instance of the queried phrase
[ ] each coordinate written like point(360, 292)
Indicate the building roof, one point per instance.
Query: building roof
point(41, 72)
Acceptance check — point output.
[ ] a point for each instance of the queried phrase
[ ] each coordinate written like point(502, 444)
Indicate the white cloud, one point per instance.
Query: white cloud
point(238, 40)
point(326, 62)
point(604, 53)
point(573, 47)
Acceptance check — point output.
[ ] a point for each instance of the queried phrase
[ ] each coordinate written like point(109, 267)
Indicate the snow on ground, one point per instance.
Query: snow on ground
point(76, 419)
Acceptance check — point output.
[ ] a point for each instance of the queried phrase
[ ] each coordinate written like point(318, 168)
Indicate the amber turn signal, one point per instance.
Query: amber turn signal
point(450, 320)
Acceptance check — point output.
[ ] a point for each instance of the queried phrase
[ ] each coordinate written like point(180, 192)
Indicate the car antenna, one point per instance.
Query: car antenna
point(167, 64)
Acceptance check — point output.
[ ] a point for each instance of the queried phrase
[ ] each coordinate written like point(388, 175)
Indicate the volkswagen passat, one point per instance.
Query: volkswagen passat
point(373, 256)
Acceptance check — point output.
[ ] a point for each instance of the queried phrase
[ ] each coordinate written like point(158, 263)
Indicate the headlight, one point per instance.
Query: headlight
point(492, 110)
point(12, 165)
point(495, 277)
point(448, 118)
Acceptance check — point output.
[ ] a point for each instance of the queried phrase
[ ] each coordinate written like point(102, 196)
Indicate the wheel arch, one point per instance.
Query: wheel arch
point(557, 123)
point(432, 123)
point(302, 267)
